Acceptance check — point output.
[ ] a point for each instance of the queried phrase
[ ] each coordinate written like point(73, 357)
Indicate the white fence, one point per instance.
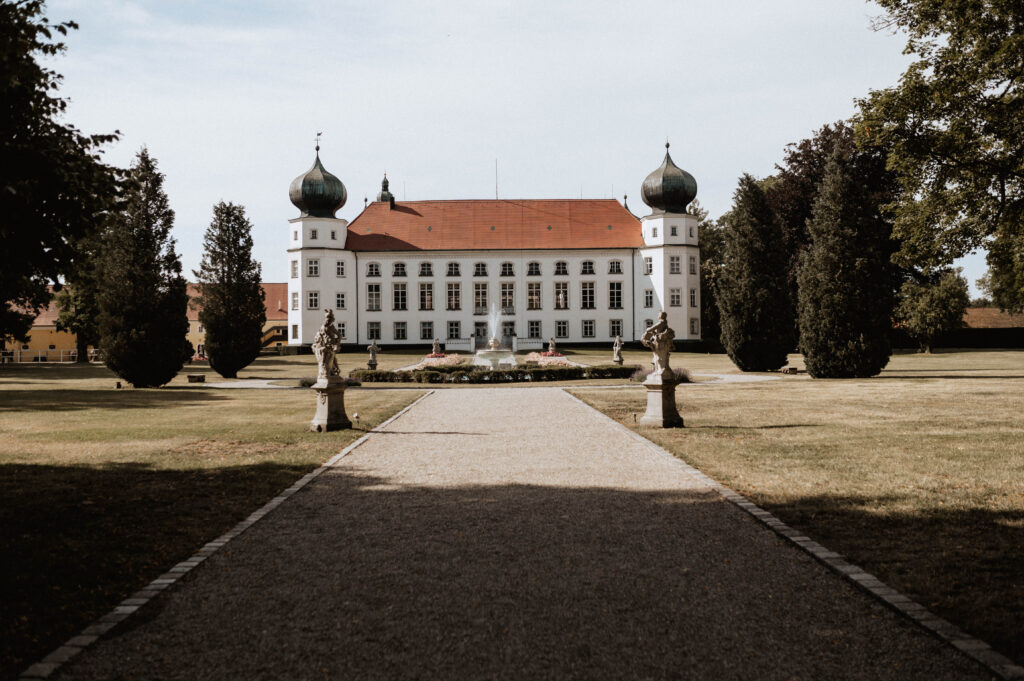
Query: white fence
point(464, 344)
point(519, 343)
point(29, 356)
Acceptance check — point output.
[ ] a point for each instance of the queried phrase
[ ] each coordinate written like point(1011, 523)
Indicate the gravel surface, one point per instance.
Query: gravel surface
point(513, 534)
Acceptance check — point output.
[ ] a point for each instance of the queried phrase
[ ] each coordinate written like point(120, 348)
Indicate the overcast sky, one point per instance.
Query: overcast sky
point(571, 98)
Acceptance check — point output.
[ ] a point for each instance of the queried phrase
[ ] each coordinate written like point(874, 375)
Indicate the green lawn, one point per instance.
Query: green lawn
point(102, 490)
point(917, 474)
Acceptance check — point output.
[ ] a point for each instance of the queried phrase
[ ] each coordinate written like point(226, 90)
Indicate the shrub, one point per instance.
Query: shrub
point(478, 375)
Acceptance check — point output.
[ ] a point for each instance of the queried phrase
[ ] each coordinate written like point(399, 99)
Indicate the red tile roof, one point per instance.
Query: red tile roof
point(275, 302)
point(991, 318)
point(494, 224)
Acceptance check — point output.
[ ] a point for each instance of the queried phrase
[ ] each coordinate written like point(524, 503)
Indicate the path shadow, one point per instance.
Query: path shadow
point(71, 400)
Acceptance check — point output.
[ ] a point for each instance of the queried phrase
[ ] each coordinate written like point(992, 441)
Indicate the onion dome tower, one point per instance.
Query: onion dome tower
point(669, 188)
point(317, 193)
point(384, 194)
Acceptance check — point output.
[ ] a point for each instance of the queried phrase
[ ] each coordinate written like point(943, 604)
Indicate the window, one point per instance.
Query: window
point(506, 269)
point(588, 267)
point(691, 231)
point(295, 235)
point(508, 298)
point(341, 329)
point(426, 269)
point(372, 330)
point(454, 330)
point(480, 269)
point(694, 326)
point(508, 329)
point(693, 264)
point(339, 301)
point(426, 330)
point(675, 297)
point(313, 300)
point(587, 295)
point(373, 297)
point(615, 295)
point(295, 300)
point(199, 329)
point(313, 267)
point(561, 268)
point(675, 230)
point(561, 329)
point(339, 268)
point(615, 267)
point(615, 328)
point(454, 300)
point(588, 328)
point(295, 269)
point(533, 295)
point(398, 297)
point(561, 295)
point(295, 331)
point(426, 296)
point(648, 265)
point(334, 235)
point(313, 234)
point(674, 266)
point(533, 329)
point(453, 269)
point(693, 297)
point(533, 269)
point(400, 333)
point(399, 269)
point(648, 298)
point(373, 269)
point(479, 298)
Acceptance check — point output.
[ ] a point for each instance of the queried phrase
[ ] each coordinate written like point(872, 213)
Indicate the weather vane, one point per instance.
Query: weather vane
point(318, 141)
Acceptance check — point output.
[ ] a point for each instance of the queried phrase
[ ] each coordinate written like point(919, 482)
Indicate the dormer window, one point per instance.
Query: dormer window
point(533, 269)
point(615, 267)
point(399, 269)
point(373, 269)
point(480, 269)
point(453, 269)
point(561, 268)
point(588, 267)
point(506, 269)
point(426, 269)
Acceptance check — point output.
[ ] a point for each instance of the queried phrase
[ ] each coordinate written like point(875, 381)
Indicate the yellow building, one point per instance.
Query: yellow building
point(275, 329)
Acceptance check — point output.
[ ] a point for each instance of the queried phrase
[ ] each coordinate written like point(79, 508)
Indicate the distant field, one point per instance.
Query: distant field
point(917, 474)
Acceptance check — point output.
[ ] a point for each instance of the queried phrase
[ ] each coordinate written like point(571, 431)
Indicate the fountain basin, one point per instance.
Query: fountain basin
point(494, 359)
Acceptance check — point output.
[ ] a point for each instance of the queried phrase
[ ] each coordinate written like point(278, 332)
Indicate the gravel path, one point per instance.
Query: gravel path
point(513, 534)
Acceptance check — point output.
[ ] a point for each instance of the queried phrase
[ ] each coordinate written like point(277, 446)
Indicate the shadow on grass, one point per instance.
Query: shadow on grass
point(896, 374)
point(69, 400)
point(399, 581)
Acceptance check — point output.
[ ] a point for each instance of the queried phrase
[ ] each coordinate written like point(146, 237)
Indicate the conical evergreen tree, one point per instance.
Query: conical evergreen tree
point(846, 280)
point(230, 295)
point(756, 313)
point(142, 297)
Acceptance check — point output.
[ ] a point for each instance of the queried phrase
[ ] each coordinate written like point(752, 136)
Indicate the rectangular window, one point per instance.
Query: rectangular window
point(587, 295)
point(675, 297)
point(691, 231)
point(295, 300)
point(453, 269)
point(588, 328)
point(615, 328)
point(454, 330)
point(654, 232)
point(508, 298)
point(454, 298)
point(506, 269)
point(615, 295)
point(675, 230)
point(399, 269)
point(313, 234)
point(426, 330)
point(295, 269)
point(694, 326)
point(674, 266)
point(373, 297)
point(400, 333)
point(295, 235)
point(615, 267)
point(561, 329)
point(426, 270)
point(339, 268)
point(313, 300)
point(561, 295)
point(533, 295)
point(693, 297)
point(334, 235)
point(398, 297)
point(339, 301)
point(533, 269)
point(648, 298)
point(561, 267)
point(693, 264)
point(295, 331)
point(341, 329)
point(480, 298)
point(372, 330)
point(426, 296)
point(533, 329)
point(508, 329)
point(313, 267)
point(648, 265)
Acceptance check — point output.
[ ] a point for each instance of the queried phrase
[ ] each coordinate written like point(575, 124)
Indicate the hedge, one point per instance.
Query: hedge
point(477, 375)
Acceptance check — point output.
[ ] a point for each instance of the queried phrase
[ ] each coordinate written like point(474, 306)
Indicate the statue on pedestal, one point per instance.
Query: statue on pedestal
point(659, 339)
point(551, 345)
point(373, 349)
point(436, 349)
point(325, 347)
point(329, 386)
point(661, 384)
point(617, 350)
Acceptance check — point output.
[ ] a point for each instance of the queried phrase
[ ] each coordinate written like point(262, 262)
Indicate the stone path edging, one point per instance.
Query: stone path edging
point(982, 652)
point(76, 644)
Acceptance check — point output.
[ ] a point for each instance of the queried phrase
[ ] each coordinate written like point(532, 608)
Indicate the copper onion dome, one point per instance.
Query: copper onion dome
point(669, 189)
point(317, 193)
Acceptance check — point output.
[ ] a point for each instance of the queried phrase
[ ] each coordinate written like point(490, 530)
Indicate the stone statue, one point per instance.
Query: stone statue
point(551, 345)
point(325, 347)
point(617, 350)
point(436, 350)
point(373, 349)
point(659, 339)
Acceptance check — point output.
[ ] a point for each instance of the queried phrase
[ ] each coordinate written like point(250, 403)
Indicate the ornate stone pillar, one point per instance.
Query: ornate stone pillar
point(330, 405)
point(661, 401)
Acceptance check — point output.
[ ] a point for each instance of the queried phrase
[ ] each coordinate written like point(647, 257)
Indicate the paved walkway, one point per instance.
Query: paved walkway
point(513, 534)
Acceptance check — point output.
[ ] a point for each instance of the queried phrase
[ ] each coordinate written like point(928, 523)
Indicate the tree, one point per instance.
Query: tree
point(932, 306)
point(230, 295)
point(142, 295)
point(845, 278)
point(952, 128)
point(756, 312)
point(54, 189)
point(78, 308)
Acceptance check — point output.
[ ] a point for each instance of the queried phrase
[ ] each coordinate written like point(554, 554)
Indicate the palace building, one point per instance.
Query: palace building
point(577, 270)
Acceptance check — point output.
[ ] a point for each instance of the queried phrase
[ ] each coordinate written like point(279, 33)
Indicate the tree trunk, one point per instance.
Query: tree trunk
point(83, 350)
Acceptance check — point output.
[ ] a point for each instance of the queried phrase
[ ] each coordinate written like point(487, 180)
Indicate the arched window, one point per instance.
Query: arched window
point(615, 267)
point(561, 268)
point(399, 269)
point(480, 269)
point(588, 267)
point(426, 269)
point(533, 269)
point(373, 269)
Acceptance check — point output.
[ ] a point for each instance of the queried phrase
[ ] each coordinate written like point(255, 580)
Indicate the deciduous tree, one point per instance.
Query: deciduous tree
point(932, 306)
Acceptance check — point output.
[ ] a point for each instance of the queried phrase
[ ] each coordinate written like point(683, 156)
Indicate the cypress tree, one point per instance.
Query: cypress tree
point(230, 295)
point(142, 297)
point(846, 280)
point(755, 309)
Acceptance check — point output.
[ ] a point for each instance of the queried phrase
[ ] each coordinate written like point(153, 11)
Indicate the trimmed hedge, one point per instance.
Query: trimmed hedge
point(478, 375)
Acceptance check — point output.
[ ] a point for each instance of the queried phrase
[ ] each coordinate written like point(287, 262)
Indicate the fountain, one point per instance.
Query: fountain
point(493, 356)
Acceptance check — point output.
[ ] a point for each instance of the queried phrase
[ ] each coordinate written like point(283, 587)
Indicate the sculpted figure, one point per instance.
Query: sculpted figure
point(617, 350)
point(325, 346)
point(551, 344)
point(436, 350)
point(659, 339)
point(373, 348)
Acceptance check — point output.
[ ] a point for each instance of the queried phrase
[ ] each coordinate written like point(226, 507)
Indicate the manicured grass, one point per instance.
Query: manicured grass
point(101, 490)
point(916, 475)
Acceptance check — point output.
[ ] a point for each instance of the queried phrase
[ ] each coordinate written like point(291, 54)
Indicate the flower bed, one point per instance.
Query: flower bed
point(432, 361)
point(457, 374)
point(547, 359)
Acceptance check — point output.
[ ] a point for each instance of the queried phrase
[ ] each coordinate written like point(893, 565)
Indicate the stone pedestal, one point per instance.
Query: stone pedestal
point(617, 360)
point(371, 365)
point(661, 401)
point(330, 405)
